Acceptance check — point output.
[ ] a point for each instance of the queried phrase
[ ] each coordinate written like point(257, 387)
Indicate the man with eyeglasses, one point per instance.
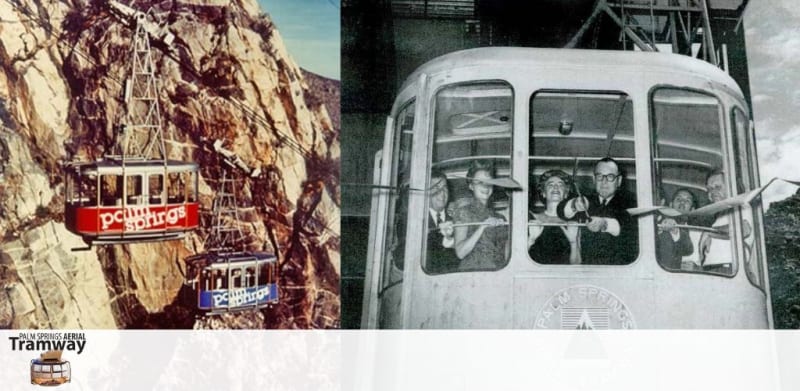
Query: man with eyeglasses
point(610, 235)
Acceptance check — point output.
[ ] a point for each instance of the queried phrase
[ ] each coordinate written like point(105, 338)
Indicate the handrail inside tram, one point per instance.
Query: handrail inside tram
point(581, 135)
point(456, 160)
point(685, 162)
point(483, 136)
point(693, 148)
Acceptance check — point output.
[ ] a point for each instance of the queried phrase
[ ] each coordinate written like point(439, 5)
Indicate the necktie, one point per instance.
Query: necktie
point(439, 218)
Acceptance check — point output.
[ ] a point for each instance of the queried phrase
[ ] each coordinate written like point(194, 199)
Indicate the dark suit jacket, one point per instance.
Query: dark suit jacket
point(439, 259)
point(669, 252)
point(602, 248)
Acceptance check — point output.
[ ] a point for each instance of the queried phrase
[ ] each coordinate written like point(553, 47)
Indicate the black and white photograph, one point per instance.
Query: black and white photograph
point(567, 165)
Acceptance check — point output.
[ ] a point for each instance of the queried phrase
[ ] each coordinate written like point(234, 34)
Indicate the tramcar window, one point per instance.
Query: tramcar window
point(751, 216)
point(581, 144)
point(398, 200)
point(263, 274)
point(206, 280)
point(467, 219)
point(156, 189)
point(220, 279)
point(88, 190)
point(190, 179)
point(72, 193)
point(133, 188)
point(236, 278)
point(176, 188)
point(111, 190)
point(250, 276)
point(689, 168)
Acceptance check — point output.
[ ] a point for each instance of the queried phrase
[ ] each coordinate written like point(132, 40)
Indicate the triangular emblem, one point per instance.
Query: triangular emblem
point(585, 322)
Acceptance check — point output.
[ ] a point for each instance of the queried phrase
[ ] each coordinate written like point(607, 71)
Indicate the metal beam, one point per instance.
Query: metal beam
point(577, 37)
point(626, 30)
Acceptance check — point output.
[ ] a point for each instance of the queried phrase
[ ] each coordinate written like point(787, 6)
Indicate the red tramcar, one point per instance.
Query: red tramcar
point(108, 202)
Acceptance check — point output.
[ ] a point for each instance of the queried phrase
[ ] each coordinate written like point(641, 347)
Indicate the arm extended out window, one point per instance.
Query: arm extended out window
point(467, 208)
point(581, 147)
point(690, 172)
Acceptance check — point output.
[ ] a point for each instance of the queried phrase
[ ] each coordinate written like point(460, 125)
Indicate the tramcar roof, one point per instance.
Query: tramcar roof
point(54, 361)
point(106, 166)
point(632, 61)
point(220, 259)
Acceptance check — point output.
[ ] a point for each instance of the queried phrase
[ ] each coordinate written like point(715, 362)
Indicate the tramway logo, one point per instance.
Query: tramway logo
point(240, 297)
point(137, 219)
point(585, 307)
point(50, 369)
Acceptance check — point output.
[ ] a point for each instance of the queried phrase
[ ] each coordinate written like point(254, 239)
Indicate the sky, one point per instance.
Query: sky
point(772, 38)
point(310, 31)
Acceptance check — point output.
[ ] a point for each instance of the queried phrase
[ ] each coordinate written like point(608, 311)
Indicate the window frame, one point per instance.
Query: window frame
point(725, 149)
point(429, 164)
point(757, 211)
point(633, 191)
point(388, 263)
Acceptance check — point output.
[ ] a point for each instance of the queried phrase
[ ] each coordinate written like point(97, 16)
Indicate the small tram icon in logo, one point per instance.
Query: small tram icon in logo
point(50, 370)
point(585, 307)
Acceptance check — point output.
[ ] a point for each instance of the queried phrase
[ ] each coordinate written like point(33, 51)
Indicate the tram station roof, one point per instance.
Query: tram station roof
point(466, 9)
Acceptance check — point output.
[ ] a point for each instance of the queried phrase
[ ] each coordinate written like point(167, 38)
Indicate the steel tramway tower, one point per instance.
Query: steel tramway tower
point(135, 193)
point(227, 277)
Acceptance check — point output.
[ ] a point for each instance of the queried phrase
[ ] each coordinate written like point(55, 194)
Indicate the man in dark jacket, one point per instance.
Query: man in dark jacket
point(675, 243)
point(611, 233)
point(441, 257)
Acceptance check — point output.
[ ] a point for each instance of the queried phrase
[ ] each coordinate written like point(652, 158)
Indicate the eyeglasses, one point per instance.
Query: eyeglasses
point(606, 177)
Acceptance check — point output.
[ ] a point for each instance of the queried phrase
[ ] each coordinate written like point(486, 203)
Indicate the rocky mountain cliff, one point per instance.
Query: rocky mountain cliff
point(782, 222)
point(228, 77)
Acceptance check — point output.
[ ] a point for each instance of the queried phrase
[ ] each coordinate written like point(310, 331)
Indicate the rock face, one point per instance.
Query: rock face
point(227, 76)
point(782, 223)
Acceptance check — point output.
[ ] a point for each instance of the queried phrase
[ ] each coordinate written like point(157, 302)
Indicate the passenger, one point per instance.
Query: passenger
point(111, 194)
point(219, 280)
point(236, 279)
point(206, 280)
point(610, 236)
point(441, 256)
point(156, 189)
point(715, 250)
point(480, 246)
point(249, 278)
point(553, 244)
point(674, 244)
